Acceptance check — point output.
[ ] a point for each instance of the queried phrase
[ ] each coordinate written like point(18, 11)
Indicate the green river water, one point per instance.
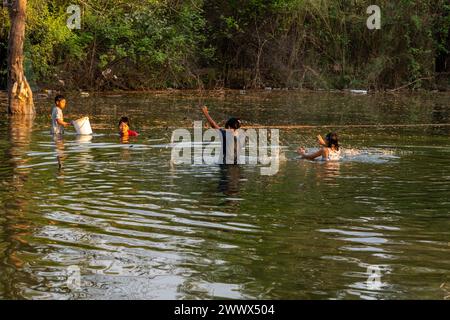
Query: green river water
point(139, 227)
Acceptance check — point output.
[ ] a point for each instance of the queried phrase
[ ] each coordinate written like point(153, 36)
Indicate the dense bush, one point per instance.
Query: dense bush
point(325, 43)
point(144, 44)
point(4, 27)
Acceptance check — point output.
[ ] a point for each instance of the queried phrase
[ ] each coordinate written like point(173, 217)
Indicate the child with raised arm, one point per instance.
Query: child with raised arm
point(231, 141)
point(329, 149)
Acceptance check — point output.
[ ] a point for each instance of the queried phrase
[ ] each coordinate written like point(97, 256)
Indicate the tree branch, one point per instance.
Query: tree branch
point(411, 83)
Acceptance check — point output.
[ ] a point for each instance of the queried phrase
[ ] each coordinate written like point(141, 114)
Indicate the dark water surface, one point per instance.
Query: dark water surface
point(138, 226)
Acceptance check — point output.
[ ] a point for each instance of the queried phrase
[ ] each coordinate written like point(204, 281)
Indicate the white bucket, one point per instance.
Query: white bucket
point(82, 126)
point(83, 139)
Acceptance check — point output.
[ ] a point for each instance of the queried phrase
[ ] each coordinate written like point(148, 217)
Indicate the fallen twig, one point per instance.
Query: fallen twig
point(408, 84)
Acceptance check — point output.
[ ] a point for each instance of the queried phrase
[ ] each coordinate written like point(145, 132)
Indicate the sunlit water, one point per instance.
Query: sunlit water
point(137, 226)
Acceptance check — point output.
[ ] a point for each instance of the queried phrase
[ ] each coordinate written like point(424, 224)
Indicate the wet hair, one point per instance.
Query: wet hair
point(233, 123)
point(58, 98)
point(332, 140)
point(124, 120)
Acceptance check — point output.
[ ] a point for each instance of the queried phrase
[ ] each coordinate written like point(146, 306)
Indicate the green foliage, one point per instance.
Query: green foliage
point(132, 44)
point(4, 29)
point(325, 43)
point(122, 43)
point(47, 31)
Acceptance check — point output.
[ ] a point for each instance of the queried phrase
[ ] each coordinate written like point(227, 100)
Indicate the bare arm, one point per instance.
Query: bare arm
point(62, 122)
point(320, 140)
point(311, 156)
point(208, 117)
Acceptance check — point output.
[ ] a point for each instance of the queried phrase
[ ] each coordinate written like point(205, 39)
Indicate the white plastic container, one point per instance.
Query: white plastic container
point(82, 126)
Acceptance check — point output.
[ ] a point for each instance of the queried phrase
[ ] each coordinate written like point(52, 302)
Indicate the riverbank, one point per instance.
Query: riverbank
point(201, 96)
point(43, 93)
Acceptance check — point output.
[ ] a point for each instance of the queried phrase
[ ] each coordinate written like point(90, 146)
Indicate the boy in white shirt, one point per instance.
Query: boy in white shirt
point(58, 123)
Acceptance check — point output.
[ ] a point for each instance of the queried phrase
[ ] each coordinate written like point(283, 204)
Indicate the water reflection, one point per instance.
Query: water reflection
point(16, 200)
point(124, 139)
point(82, 151)
point(83, 139)
point(329, 171)
point(440, 115)
point(139, 227)
point(60, 153)
point(230, 179)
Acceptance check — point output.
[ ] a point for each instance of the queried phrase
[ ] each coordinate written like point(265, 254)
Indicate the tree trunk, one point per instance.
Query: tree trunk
point(20, 96)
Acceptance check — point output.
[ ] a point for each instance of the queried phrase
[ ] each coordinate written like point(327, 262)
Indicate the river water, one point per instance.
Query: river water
point(133, 225)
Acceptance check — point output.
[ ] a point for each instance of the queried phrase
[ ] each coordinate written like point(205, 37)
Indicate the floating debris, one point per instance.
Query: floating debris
point(359, 91)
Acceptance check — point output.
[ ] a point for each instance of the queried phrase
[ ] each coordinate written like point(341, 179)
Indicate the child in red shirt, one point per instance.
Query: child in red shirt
point(124, 128)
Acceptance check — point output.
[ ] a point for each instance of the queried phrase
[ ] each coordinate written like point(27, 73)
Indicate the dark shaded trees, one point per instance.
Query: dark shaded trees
point(150, 44)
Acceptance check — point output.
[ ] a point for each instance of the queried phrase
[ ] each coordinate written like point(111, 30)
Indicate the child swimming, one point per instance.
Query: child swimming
point(124, 128)
point(329, 149)
point(58, 123)
point(232, 143)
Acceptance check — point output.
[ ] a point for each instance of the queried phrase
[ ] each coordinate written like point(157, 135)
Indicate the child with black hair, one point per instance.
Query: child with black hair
point(58, 123)
point(329, 148)
point(124, 128)
point(232, 143)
